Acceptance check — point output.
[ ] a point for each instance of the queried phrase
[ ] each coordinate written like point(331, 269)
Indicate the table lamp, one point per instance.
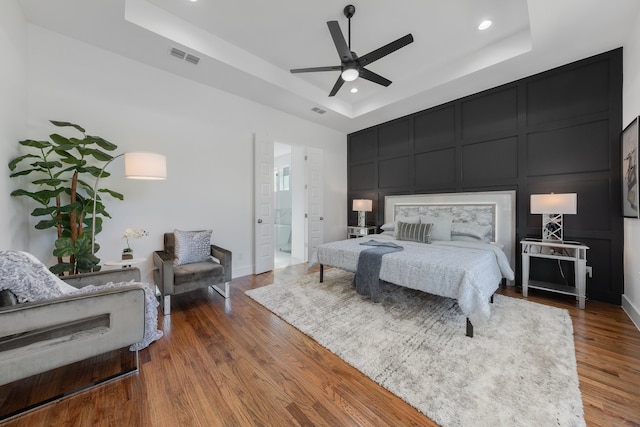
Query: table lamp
point(552, 207)
point(362, 206)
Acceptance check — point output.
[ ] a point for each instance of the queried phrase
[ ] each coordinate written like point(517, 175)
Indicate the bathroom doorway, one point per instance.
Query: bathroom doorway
point(289, 195)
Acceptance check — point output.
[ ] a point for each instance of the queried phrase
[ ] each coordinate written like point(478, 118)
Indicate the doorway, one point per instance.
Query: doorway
point(289, 202)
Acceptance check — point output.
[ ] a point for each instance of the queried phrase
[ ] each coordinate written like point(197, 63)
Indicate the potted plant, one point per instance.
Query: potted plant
point(132, 233)
point(58, 170)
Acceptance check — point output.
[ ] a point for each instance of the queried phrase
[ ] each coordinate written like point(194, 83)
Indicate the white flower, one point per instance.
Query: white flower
point(133, 233)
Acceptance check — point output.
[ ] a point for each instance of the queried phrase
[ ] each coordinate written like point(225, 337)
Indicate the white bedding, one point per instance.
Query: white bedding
point(466, 271)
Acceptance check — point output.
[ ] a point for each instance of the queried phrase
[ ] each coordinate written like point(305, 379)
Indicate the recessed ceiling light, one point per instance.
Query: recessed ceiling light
point(484, 25)
point(354, 89)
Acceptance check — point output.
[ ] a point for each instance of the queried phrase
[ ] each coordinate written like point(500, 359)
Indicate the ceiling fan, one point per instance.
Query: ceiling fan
point(351, 66)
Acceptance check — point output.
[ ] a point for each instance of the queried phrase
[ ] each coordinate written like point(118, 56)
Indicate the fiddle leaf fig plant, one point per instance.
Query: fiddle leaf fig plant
point(59, 170)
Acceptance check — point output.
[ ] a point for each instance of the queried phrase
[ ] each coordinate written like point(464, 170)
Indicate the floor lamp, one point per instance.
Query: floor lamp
point(138, 165)
point(552, 207)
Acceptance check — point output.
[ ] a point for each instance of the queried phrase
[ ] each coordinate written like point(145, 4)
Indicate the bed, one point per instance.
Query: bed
point(472, 248)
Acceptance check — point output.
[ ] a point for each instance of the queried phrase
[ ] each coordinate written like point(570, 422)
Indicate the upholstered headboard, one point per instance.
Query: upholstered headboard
point(490, 208)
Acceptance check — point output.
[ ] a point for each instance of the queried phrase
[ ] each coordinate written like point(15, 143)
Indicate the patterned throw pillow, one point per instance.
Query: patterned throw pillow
point(192, 246)
point(414, 232)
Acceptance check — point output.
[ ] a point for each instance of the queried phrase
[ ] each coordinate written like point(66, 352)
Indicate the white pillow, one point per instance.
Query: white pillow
point(470, 232)
point(192, 246)
point(390, 226)
point(441, 229)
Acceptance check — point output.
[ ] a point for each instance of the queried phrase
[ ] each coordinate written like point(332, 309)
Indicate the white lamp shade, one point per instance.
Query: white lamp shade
point(566, 203)
point(145, 166)
point(362, 205)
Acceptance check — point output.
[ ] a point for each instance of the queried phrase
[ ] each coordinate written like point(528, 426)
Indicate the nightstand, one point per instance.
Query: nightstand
point(355, 231)
point(563, 250)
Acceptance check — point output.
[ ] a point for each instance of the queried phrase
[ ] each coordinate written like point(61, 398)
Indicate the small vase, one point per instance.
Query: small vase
point(127, 255)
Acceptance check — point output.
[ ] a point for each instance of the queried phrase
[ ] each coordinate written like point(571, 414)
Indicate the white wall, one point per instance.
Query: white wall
point(13, 113)
point(206, 134)
point(631, 109)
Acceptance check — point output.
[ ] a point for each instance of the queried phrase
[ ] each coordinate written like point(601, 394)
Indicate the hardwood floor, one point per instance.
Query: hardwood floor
point(233, 363)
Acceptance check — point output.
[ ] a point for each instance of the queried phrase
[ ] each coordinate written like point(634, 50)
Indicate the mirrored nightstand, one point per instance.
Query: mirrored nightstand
point(355, 231)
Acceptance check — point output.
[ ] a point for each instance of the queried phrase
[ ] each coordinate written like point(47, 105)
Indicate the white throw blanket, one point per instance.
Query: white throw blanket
point(30, 280)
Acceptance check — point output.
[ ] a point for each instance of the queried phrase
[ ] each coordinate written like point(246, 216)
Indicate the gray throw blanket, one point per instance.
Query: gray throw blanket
point(367, 278)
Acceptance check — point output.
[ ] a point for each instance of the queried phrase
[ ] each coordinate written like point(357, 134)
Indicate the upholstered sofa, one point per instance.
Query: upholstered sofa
point(41, 335)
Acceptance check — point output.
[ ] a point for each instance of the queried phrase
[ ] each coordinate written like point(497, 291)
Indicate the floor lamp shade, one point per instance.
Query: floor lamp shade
point(145, 166)
point(552, 207)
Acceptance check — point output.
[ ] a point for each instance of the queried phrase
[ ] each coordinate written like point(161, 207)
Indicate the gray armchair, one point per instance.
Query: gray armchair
point(42, 335)
point(177, 279)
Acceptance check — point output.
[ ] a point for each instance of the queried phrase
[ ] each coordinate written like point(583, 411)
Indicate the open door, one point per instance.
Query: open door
point(264, 205)
point(315, 200)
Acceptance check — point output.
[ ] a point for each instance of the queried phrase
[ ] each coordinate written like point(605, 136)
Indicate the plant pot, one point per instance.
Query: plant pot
point(127, 255)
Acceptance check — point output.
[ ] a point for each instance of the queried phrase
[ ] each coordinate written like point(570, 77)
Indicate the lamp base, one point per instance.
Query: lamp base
point(552, 227)
point(362, 219)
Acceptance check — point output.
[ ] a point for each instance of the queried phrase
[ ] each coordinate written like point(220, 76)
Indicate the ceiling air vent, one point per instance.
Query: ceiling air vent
point(184, 55)
point(193, 59)
point(178, 53)
point(318, 110)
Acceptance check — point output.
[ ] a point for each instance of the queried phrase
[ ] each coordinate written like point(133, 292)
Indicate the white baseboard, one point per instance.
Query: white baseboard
point(632, 311)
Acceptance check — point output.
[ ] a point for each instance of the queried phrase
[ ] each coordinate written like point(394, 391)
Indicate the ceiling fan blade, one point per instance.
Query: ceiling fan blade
point(385, 50)
point(313, 69)
point(338, 39)
point(373, 77)
point(337, 86)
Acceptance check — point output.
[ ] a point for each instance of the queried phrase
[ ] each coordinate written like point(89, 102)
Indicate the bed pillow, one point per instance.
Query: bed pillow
point(441, 226)
point(407, 220)
point(420, 233)
point(470, 232)
point(192, 246)
point(390, 226)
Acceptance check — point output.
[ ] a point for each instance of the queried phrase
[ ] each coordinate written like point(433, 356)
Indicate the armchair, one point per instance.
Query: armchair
point(41, 335)
point(174, 279)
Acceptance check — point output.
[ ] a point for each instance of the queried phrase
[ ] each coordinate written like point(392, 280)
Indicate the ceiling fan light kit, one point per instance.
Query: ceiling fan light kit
point(351, 66)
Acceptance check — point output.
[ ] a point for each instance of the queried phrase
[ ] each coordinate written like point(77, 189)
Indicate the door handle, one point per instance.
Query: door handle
point(321, 218)
point(259, 221)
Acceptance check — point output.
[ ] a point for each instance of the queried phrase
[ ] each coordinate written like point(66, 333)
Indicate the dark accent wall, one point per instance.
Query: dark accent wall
point(557, 131)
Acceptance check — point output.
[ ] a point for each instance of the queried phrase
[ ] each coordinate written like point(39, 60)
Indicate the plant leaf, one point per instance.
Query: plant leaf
point(44, 211)
point(61, 268)
point(65, 124)
point(114, 194)
point(49, 181)
point(35, 144)
point(13, 163)
point(46, 223)
point(101, 142)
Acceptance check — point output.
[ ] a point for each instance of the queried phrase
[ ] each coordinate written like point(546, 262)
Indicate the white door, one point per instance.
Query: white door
point(264, 205)
point(315, 203)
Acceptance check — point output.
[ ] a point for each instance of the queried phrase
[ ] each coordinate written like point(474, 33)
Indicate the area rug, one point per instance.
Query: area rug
point(518, 370)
